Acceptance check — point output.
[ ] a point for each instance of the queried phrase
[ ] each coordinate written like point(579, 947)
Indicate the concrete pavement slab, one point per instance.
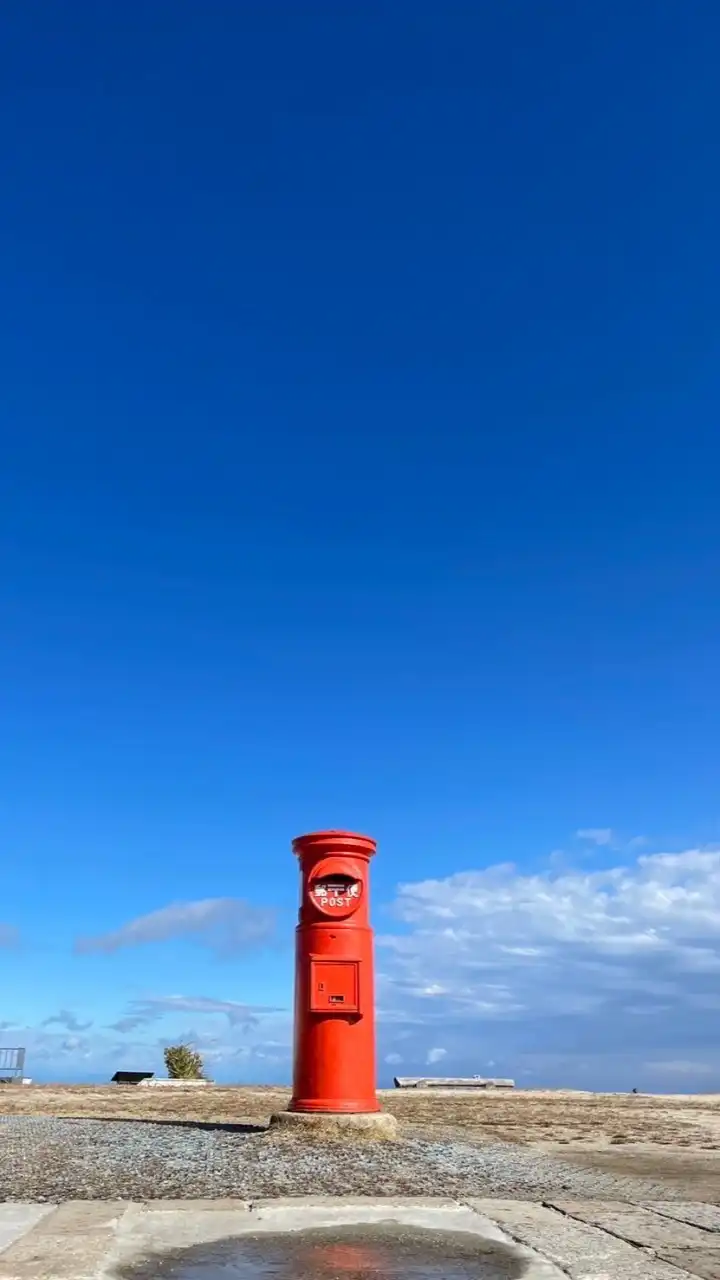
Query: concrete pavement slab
point(583, 1252)
point(634, 1224)
point(323, 1202)
point(17, 1219)
point(96, 1240)
point(110, 1240)
point(698, 1215)
point(78, 1216)
point(70, 1243)
point(703, 1263)
point(296, 1214)
point(146, 1230)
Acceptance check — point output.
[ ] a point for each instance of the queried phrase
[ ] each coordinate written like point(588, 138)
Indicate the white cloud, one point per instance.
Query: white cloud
point(67, 1020)
point(75, 1044)
point(603, 979)
point(129, 1022)
point(596, 835)
point(220, 1050)
point(562, 972)
point(142, 1012)
point(63, 1054)
point(435, 1055)
point(225, 925)
point(227, 1034)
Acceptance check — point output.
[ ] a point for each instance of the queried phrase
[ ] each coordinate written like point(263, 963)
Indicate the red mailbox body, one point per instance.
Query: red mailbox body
point(334, 1058)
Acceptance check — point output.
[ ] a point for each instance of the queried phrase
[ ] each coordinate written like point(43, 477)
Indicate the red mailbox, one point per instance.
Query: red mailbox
point(334, 1060)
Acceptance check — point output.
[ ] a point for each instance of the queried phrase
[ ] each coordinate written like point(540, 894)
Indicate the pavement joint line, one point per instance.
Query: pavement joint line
point(565, 1213)
point(571, 1217)
point(602, 1211)
point(671, 1217)
point(581, 1250)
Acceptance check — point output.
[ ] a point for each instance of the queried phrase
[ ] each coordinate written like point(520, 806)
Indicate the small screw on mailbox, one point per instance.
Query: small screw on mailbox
point(334, 1056)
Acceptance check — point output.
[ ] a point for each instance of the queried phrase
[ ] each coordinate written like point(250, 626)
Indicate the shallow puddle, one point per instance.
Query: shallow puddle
point(383, 1252)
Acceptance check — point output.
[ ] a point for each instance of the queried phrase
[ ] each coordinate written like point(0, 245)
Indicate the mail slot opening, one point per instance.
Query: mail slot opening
point(341, 883)
point(336, 890)
point(336, 1000)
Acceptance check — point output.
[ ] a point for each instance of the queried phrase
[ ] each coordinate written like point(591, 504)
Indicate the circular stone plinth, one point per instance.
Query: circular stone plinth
point(335, 1124)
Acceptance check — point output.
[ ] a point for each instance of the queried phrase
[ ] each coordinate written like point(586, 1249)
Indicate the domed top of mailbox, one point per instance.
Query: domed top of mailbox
point(326, 843)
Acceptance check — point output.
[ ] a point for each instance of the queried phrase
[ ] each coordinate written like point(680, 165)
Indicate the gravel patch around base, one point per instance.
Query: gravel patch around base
point(51, 1159)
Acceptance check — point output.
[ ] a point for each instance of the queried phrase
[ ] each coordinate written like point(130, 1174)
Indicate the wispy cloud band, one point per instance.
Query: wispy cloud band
point(223, 925)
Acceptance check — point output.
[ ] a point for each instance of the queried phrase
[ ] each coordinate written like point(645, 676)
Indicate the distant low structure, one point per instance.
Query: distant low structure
point(159, 1082)
point(132, 1077)
point(12, 1066)
point(451, 1082)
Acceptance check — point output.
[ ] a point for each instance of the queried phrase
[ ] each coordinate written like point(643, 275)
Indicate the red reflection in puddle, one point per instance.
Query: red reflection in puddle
point(346, 1257)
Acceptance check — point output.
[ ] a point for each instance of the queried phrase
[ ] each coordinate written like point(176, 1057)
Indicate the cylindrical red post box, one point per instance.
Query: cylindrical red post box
point(334, 1055)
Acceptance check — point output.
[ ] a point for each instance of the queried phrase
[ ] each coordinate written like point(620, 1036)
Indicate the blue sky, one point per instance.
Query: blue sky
point(359, 468)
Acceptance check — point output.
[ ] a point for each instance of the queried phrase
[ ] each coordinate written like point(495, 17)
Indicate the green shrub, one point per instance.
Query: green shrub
point(183, 1063)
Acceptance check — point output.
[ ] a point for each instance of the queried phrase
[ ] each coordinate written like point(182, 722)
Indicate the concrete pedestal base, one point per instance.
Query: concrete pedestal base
point(377, 1125)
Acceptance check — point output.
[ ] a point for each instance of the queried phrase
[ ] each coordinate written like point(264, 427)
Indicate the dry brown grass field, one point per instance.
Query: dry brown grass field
point(676, 1136)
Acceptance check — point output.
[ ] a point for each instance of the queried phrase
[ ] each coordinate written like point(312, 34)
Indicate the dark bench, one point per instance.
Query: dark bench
point(131, 1077)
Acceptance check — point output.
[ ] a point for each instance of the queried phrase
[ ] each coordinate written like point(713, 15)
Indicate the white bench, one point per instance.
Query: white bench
point(451, 1082)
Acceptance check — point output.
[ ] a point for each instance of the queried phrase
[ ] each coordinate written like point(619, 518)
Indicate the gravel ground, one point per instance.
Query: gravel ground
point(46, 1158)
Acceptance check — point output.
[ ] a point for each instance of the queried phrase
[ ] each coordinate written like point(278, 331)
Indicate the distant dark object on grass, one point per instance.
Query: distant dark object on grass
point(131, 1077)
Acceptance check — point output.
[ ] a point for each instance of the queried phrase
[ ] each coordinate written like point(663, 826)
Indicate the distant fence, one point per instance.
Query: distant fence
point(12, 1064)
